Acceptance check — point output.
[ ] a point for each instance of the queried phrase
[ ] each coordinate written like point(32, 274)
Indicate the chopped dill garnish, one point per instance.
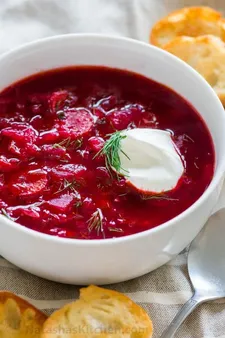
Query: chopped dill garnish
point(196, 166)
point(4, 213)
point(64, 160)
point(59, 105)
point(57, 145)
point(68, 143)
point(96, 222)
point(67, 185)
point(121, 195)
point(78, 204)
point(131, 125)
point(111, 150)
point(115, 229)
point(101, 121)
point(61, 115)
point(112, 126)
point(99, 186)
point(33, 206)
point(158, 197)
point(188, 138)
point(78, 143)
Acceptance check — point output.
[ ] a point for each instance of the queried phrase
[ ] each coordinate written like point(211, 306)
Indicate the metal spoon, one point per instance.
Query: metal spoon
point(206, 267)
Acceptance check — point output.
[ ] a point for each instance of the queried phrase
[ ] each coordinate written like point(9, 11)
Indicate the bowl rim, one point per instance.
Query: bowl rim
point(219, 172)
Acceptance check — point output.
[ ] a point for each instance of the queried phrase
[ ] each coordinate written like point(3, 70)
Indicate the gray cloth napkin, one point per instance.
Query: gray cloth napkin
point(161, 292)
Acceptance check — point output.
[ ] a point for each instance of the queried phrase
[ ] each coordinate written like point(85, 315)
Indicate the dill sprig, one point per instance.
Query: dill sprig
point(78, 204)
point(33, 206)
point(57, 145)
point(124, 194)
point(188, 138)
point(115, 229)
point(60, 114)
point(158, 197)
point(5, 213)
point(111, 150)
point(68, 143)
point(78, 143)
point(96, 222)
point(67, 185)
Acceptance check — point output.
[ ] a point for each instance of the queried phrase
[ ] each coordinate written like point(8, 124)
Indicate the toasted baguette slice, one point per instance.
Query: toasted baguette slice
point(206, 54)
point(99, 313)
point(18, 318)
point(189, 21)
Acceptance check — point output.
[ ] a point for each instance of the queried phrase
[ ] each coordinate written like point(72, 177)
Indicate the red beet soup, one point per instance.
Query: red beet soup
point(53, 178)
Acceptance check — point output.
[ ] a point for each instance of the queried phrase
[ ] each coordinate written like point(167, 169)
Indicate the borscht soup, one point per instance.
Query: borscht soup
point(93, 152)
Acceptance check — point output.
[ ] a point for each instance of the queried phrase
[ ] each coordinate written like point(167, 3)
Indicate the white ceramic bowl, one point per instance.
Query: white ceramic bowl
point(112, 260)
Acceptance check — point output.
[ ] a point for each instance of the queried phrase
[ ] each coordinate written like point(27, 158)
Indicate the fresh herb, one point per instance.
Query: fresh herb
point(33, 206)
point(196, 166)
point(99, 186)
point(65, 143)
point(61, 115)
point(4, 213)
point(68, 143)
point(115, 229)
point(61, 101)
point(101, 121)
point(57, 146)
point(121, 195)
point(67, 185)
point(96, 222)
point(188, 138)
point(131, 125)
point(78, 204)
point(112, 126)
point(111, 150)
point(158, 197)
point(78, 143)
point(63, 160)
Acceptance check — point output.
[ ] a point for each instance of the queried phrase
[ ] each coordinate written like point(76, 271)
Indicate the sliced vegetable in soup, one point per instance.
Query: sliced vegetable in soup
point(94, 153)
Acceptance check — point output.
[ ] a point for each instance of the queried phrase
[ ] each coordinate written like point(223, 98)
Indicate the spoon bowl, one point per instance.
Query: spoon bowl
point(206, 267)
point(206, 264)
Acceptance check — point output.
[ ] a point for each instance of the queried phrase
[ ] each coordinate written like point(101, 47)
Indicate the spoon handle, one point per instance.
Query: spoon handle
point(181, 316)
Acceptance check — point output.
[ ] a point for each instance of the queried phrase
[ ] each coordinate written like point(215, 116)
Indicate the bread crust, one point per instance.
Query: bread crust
point(188, 21)
point(99, 313)
point(206, 54)
point(18, 318)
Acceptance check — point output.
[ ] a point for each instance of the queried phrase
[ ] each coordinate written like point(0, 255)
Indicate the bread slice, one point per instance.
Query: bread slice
point(18, 318)
point(99, 313)
point(189, 21)
point(206, 54)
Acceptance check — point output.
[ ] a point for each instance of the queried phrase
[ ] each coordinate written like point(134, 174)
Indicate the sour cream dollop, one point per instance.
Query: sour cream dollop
point(153, 163)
